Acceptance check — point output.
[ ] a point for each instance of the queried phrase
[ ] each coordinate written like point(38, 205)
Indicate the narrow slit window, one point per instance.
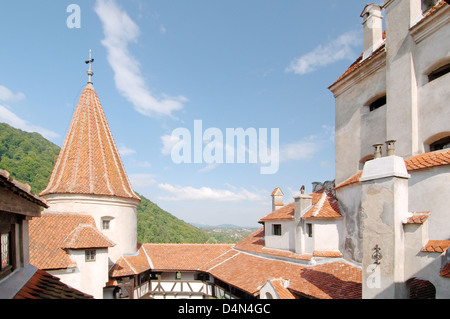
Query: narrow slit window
point(309, 230)
point(439, 72)
point(441, 144)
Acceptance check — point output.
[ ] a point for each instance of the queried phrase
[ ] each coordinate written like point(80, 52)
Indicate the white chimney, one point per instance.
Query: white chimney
point(302, 202)
point(373, 28)
point(277, 199)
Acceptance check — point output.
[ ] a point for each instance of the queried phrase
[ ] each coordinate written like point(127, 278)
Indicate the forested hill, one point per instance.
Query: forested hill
point(30, 158)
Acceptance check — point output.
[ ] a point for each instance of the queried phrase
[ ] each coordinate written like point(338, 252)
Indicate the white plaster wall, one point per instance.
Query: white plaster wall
point(327, 234)
point(287, 239)
point(268, 289)
point(423, 264)
point(356, 128)
point(94, 275)
point(434, 96)
point(172, 276)
point(123, 230)
point(350, 200)
point(429, 190)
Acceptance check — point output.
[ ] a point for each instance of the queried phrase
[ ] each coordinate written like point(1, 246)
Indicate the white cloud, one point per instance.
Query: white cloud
point(125, 151)
point(12, 119)
point(169, 141)
point(336, 50)
point(120, 30)
point(162, 29)
point(300, 150)
point(142, 180)
point(188, 193)
point(6, 95)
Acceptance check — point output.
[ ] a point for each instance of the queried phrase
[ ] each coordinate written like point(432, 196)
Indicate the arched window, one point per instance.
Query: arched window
point(421, 289)
point(438, 142)
point(441, 144)
point(376, 102)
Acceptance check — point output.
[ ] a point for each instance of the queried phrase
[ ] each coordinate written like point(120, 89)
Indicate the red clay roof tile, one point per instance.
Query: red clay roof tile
point(42, 285)
point(421, 161)
point(51, 233)
point(89, 162)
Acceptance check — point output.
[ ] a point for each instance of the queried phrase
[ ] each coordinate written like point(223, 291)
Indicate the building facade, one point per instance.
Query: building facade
point(394, 102)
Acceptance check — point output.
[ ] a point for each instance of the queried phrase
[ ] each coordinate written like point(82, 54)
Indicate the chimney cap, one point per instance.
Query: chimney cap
point(370, 9)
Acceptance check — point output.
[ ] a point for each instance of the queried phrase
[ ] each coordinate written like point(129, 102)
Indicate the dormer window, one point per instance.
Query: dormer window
point(377, 103)
point(439, 72)
point(276, 230)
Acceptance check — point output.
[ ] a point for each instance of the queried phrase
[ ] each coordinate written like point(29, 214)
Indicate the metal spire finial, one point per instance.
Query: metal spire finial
point(90, 72)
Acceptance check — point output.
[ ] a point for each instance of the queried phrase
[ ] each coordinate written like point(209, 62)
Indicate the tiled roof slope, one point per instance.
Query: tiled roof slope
point(131, 265)
point(324, 205)
point(184, 256)
point(86, 236)
point(280, 287)
point(337, 280)
point(89, 162)
point(51, 233)
point(436, 246)
point(245, 271)
point(45, 286)
point(421, 161)
point(283, 213)
point(254, 243)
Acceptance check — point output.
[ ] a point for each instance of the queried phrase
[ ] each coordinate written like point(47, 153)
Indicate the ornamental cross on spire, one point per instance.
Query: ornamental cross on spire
point(89, 72)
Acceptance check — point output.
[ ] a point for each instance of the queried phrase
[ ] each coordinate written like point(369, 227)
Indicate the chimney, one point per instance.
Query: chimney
point(373, 28)
point(277, 199)
point(302, 202)
point(377, 153)
point(390, 147)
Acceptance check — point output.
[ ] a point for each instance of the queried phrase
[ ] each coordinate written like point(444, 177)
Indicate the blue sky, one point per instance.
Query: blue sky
point(161, 65)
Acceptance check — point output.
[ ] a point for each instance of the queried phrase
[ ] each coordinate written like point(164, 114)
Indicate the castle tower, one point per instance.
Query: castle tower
point(89, 176)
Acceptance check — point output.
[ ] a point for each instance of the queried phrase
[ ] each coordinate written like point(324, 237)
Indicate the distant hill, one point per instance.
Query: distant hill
point(155, 225)
point(30, 158)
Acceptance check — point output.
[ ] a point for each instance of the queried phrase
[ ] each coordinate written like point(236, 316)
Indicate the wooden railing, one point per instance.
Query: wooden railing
point(174, 289)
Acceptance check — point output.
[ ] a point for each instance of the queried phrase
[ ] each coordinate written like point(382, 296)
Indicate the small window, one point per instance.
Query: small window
point(276, 230)
point(441, 144)
point(309, 230)
point(90, 255)
point(439, 72)
point(106, 224)
point(178, 275)
point(377, 103)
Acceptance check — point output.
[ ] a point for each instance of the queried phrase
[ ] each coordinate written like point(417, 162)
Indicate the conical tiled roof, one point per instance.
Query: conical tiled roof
point(89, 162)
